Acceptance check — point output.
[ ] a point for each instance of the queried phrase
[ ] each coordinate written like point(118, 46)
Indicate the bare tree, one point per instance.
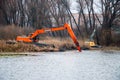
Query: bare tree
point(87, 16)
point(110, 12)
point(3, 12)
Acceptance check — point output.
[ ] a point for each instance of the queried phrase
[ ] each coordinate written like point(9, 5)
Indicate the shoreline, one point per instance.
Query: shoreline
point(52, 46)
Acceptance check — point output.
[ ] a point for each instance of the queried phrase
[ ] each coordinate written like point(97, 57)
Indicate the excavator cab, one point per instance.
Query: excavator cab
point(27, 39)
point(91, 43)
point(35, 39)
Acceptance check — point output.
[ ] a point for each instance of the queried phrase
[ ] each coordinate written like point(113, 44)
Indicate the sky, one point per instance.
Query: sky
point(74, 6)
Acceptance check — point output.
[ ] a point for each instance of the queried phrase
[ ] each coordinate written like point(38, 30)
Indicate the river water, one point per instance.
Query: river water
point(70, 65)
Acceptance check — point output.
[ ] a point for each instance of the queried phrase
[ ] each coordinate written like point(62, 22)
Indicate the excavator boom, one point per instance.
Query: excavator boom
point(33, 36)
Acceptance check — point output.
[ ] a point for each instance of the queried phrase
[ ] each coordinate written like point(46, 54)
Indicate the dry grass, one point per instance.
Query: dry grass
point(110, 48)
point(59, 45)
point(19, 47)
point(62, 44)
point(11, 31)
point(24, 47)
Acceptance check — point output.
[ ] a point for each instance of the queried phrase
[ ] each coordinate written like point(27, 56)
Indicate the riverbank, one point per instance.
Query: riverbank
point(24, 47)
point(47, 45)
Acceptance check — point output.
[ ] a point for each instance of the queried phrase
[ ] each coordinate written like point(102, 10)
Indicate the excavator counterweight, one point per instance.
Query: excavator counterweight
point(33, 37)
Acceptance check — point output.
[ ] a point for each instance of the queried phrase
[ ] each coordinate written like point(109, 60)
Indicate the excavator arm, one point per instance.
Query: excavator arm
point(32, 37)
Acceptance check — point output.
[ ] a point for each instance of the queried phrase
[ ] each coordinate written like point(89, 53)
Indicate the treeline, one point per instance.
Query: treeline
point(37, 13)
point(53, 13)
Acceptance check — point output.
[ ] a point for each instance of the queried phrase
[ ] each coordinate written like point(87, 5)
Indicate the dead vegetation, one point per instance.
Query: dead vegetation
point(53, 43)
point(110, 48)
point(61, 44)
point(18, 47)
point(11, 31)
point(23, 47)
point(50, 45)
point(46, 44)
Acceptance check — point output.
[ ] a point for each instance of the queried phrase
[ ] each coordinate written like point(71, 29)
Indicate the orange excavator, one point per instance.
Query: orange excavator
point(34, 36)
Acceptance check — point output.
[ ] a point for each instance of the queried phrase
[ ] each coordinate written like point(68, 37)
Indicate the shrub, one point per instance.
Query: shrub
point(11, 31)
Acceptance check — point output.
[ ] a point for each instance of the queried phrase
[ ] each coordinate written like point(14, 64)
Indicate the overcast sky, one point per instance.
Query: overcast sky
point(74, 5)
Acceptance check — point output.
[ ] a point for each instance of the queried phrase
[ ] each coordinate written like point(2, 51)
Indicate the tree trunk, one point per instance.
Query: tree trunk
point(106, 37)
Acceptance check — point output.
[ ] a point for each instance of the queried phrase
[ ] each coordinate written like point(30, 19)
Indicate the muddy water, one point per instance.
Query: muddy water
point(70, 65)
